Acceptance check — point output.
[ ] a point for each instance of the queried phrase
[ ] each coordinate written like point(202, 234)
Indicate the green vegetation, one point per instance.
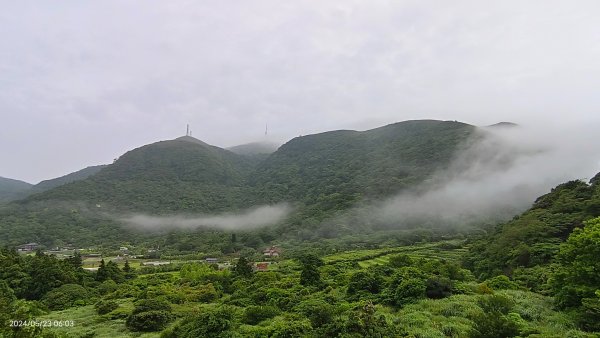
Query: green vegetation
point(72, 177)
point(525, 247)
point(12, 189)
point(172, 175)
point(533, 276)
point(320, 174)
point(149, 315)
point(337, 169)
point(576, 282)
point(408, 294)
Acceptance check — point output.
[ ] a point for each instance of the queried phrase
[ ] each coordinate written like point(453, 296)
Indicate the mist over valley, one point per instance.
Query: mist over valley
point(185, 169)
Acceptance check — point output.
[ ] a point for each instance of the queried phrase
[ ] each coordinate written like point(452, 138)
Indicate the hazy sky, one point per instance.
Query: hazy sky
point(81, 82)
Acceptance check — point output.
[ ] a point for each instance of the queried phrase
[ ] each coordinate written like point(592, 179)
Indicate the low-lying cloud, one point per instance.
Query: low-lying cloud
point(497, 175)
point(244, 220)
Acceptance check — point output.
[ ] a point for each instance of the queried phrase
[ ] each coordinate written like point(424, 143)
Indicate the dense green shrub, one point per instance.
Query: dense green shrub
point(107, 286)
point(363, 321)
point(408, 285)
point(243, 268)
point(256, 314)
point(317, 311)
point(365, 281)
point(438, 287)
point(400, 261)
point(577, 275)
point(149, 315)
point(501, 282)
point(496, 321)
point(209, 323)
point(147, 321)
point(289, 326)
point(65, 296)
point(588, 316)
point(105, 306)
point(151, 305)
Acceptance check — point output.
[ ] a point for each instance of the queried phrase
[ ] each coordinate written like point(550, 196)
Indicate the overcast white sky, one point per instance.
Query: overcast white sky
point(81, 82)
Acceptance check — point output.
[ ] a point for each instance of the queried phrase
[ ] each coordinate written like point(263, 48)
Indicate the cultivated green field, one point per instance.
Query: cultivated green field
point(414, 291)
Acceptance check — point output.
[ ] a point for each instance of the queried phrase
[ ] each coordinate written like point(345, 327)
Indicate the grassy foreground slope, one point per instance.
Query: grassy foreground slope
point(411, 294)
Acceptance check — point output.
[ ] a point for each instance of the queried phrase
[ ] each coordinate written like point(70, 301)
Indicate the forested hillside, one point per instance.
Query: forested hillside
point(182, 174)
point(12, 189)
point(341, 167)
point(320, 174)
point(72, 177)
point(553, 248)
point(532, 239)
point(533, 276)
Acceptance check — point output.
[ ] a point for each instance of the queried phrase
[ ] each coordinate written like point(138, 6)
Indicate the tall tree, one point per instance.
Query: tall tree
point(102, 274)
point(310, 274)
point(114, 272)
point(128, 271)
point(243, 268)
point(577, 281)
point(76, 261)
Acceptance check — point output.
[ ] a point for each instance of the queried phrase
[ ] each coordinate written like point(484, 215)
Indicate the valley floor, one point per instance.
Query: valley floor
point(412, 291)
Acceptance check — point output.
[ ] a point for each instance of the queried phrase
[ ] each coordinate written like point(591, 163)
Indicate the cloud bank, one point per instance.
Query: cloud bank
point(497, 175)
point(245, 220)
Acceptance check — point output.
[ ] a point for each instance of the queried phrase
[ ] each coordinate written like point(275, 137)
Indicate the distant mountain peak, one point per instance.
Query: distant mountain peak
point(503, 125)
point(191, 139)
point(255, 148)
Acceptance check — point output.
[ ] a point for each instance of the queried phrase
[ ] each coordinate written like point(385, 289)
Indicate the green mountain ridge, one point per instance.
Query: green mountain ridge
point(72, 177)
point(188, 174)
point(12, 189)
point(373, 163)
point(254, 148)
point(184, 173)
point(531, 240)
point(20, 190)
point(321, 175)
